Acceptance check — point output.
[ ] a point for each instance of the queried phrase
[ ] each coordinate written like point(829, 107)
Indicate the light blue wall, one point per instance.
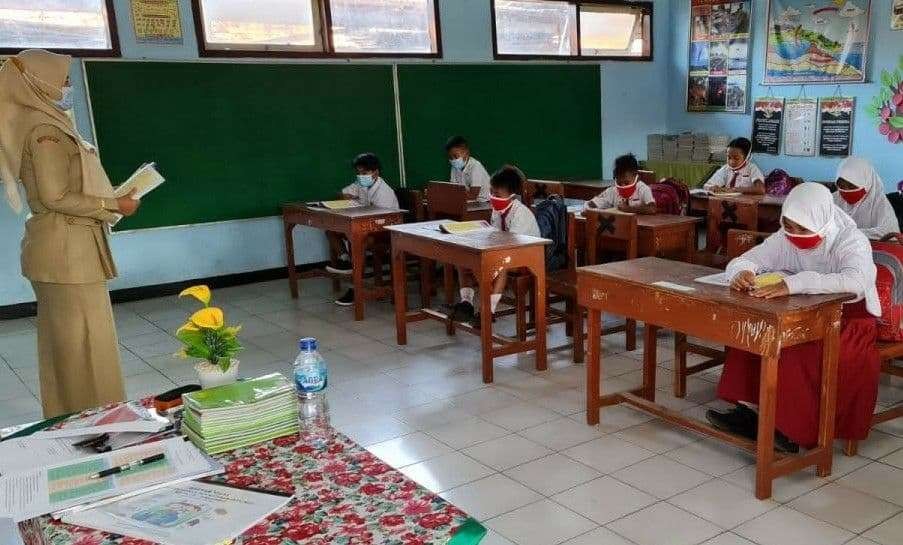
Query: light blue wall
point(885, 48)
point(634, 104)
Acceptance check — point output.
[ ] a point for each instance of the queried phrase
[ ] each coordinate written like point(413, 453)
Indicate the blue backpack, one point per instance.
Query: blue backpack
point(552, 218)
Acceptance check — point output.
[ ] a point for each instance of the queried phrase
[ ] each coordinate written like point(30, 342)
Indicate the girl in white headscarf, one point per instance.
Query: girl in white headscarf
point(65, 251)
point(860, 193)
point(821, 251)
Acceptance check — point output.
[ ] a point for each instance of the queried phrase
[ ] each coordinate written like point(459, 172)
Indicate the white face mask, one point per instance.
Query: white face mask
point(65, 103)
point(457, 163)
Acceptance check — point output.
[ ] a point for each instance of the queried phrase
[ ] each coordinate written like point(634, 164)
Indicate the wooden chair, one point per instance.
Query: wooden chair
point(446, 200)
point(647, 176)
point(738, 242)
point(540, 189)
point(726, 214)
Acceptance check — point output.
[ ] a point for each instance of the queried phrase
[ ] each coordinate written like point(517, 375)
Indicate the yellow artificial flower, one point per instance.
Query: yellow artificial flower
point(200, 292)
point(187, 326)
point(208, 318)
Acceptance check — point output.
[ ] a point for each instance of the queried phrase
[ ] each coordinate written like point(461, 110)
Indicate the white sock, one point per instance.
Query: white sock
point(467, 294)
point(494, 301)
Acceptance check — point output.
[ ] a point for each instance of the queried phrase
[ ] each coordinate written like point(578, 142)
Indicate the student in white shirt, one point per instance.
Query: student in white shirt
point(821, 251)
point(740, 174)
point(465, 169)
point(508, 214)
point(860, 193)
point(370, 190)
point(629, 194)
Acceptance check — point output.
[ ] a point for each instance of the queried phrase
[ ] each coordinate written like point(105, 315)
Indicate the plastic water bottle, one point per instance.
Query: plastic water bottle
point(310, 383)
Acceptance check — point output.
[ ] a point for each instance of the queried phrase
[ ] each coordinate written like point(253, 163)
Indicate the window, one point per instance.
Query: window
point(317, 28)
point(82, 27)
point(572, 29)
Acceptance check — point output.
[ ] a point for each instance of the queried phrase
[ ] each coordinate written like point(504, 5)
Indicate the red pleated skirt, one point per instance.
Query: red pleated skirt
point(799, 381)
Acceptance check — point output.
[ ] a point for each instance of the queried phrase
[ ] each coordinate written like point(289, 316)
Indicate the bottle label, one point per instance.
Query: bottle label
point(311, 378)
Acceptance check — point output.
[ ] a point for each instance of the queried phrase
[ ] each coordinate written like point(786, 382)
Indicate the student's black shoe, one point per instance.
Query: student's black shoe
point(462, 312)
point(346, 300)
point(784, 444)
point(740, 420)
point(342, 266)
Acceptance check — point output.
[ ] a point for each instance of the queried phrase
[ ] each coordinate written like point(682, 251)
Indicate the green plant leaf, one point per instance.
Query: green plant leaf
point(896, 122)
point(885, 78)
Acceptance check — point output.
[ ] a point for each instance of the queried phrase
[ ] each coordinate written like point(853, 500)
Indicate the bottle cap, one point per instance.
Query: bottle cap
point(308, 343)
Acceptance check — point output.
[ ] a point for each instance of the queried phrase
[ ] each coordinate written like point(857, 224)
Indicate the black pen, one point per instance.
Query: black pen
point(128, 466)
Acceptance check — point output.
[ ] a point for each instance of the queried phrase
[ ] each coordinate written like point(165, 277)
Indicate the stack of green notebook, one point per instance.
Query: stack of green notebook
point(241, 414)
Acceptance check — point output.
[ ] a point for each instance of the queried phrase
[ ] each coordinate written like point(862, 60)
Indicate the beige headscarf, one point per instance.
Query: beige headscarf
point(30, 85)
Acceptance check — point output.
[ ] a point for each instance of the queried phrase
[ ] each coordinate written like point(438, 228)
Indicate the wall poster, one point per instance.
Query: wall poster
point(718, 79)
point(816, 41)
point(800, 124)
point(768, 113)
point(156, 21)
point(835, 134)
point(896, 16)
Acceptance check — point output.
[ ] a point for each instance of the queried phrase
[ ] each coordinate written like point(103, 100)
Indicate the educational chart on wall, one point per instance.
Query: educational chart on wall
point(800, 124)
point(836, 126)
point(768, 114)
point(816, 41)
point(896, 15)
point(718, 79)
point(157, 21)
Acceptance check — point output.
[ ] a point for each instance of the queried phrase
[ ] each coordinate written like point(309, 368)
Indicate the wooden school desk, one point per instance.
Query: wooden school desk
point(718, 314)
point(357, 224)
point(769, 206)
point(661, 235)
point(486, 253)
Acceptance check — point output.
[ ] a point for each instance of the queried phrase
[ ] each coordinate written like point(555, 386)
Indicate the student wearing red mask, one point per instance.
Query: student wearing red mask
point(821, 251)
point(740, 174)
point(860, 193)
point(508, 214)
point(629, 194)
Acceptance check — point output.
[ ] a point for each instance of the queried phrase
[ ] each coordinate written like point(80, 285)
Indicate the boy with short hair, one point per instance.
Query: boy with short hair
point(740, 174)
point(629, 194)
point(508, 214)
point(370, 190)
point(465, 169)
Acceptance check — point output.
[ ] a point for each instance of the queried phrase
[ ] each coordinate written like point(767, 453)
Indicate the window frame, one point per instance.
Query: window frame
point(113, 51)
point(644, 4)
point(326, 38)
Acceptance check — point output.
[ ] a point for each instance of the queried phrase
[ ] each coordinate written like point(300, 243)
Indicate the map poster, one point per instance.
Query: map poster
point(718, 79)
point(896, 16)
point(816, 41)
point(157, 21)
point(800, 124)
point(836, 127)
point(768, 114)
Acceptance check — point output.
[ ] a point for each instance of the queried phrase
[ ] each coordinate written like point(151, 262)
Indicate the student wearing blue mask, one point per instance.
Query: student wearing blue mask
point(466, 170)
point(370, 190)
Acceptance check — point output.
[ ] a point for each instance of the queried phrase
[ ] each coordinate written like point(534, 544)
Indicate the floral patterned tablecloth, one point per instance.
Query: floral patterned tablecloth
point(344, 495)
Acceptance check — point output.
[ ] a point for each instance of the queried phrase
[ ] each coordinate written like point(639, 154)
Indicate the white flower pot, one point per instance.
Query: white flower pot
point(212, 376)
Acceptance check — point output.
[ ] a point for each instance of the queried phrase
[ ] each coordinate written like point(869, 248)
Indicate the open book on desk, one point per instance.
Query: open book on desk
point(700, 191)
point(341, 204)
point(464, 227)
point(723, 279)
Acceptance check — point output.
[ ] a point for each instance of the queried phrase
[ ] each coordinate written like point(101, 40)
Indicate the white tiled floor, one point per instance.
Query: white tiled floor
point(518, 454)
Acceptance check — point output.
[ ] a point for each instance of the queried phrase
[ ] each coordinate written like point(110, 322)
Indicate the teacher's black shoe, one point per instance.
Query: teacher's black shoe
point(346, 300)
point(740, 420)
point(783, 443)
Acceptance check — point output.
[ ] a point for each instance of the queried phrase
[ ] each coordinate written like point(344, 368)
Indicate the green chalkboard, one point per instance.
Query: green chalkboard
point(546, 119)
point(236, 140)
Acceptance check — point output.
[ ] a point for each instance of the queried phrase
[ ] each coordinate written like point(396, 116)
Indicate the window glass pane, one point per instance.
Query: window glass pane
point(383, 26)
point(261, 24)
point(525, 27)
point(54, 24)
point(611, 30)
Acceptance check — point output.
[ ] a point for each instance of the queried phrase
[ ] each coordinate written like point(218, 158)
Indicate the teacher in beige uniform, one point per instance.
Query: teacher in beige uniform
point(65, 252)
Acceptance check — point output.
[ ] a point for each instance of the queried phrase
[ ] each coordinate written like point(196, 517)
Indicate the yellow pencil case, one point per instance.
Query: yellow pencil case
point(768, 279)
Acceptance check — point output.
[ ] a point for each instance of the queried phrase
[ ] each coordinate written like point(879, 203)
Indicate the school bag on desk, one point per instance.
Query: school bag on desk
point(670, 196)
point(778, 182)
point(888, 256)
point(552, 219)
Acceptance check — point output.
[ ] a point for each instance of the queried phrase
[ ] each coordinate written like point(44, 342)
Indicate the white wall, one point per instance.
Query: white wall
point(634, 104)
